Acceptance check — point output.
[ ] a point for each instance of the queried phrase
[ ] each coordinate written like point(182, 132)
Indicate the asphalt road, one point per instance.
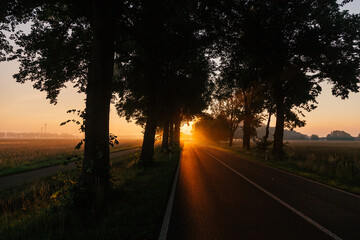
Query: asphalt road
point(21, 178)
point(222, 196)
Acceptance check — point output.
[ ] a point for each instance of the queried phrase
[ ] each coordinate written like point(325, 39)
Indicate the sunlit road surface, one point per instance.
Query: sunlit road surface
point(222, 196)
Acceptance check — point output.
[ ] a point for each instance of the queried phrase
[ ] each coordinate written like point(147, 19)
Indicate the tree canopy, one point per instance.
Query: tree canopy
point(292, 46)
point(167, 73)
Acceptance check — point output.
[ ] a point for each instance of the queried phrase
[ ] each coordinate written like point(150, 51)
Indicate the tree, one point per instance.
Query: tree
point(238, 73)
point(187, 90)
point(253, 113)
point(232, 111)
point(208, 128)
point(5, 47)
point(265, 140)
point(339, 135)
point(314, 137)
point(165, 137)
point(184, 91)
point(345, 2)
point(293, 45)
point(86, 34)
point(95, 169)
point(158, 76)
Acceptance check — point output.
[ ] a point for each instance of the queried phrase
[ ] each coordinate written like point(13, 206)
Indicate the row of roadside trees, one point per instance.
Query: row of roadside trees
point(150, 58)
point(274, 57)
point(154, 60)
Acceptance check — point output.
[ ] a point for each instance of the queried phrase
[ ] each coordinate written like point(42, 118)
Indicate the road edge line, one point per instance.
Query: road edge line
point(166, 220)
point(288, 206)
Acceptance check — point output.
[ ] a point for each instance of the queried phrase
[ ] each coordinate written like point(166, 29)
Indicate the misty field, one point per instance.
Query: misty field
point(338, 159)
point(18, 155)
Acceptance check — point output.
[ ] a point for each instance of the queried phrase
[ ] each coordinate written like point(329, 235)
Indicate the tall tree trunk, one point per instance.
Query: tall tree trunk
point(267, 132)
point(247, 124)
point(177, 131)
point(152, 115)
point(95, 168)
point(246, 133)
point(147, 150)
point(165, 138)
point(231, 137)
point(171, 134)
point(280, 118)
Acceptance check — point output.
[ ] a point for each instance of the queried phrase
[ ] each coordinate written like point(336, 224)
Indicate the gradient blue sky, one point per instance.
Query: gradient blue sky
point(24, 109)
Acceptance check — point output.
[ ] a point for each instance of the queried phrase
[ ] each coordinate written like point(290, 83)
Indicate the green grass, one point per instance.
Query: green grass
point(120, 148)
point(333, 163)
point(41, 163)
point(133, 210)
point(21, 155)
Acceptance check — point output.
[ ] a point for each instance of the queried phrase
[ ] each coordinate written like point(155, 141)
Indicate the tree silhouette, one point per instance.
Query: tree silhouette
point(160, 81)
point(208, 128)
point(5, 47)
point(73, 41)
point(238, 73)
point(293, 45)
point(232, 111)
point(314, 137)
point(339, 135)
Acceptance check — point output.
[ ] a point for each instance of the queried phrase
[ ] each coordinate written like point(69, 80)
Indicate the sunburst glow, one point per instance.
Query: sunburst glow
point(187, 128)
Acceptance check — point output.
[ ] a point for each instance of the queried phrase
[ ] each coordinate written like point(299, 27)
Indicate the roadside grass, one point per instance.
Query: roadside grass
point(133, 210)
point(21, 155)
point(41, 163)
point(333, 163)
point(119, 148)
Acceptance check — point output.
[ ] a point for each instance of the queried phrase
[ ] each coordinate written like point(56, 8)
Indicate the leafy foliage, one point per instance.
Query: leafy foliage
point(56, 26)
point(290, 47)
point(339, 135)
point(81, 114)
point(231, 109)
point(156, 73)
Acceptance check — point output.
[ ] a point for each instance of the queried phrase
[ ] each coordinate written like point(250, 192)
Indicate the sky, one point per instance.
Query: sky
point(24, 109)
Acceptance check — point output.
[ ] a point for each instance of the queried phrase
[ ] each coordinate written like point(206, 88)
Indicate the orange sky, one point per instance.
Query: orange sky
point(24, 109)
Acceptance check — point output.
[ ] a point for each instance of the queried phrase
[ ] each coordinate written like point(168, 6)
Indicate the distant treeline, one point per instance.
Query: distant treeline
point(341, 135)
point(215, 129)
point(288, 135)
point(336, 135)
point(37, 135)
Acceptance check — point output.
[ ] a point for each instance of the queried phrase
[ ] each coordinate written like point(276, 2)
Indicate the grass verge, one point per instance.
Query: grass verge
point(341, 173)
point(133, 210)
point(42, 163)
point(53, 161)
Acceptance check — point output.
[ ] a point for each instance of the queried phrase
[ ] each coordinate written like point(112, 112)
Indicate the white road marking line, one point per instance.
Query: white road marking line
point(289, 173)
point(297, 212)
point(166, 221)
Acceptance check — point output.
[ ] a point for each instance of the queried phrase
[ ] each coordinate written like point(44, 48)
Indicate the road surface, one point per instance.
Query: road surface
point(21, 178)
point(222, 196)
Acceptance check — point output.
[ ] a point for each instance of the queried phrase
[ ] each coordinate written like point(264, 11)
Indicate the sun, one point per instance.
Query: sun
point(187, 127)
